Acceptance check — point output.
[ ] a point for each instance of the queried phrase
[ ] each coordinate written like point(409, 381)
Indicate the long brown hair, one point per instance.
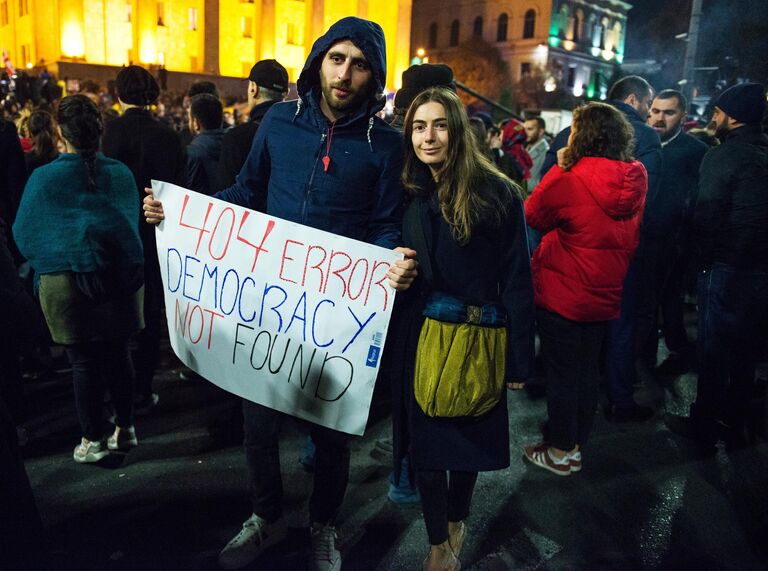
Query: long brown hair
point(463, 179)
point(42, 131)
point(599, 130)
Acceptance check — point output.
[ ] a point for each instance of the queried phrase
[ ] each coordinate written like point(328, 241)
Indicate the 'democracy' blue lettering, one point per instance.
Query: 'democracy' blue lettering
point(188, 275)
point(300, 317)
point(224, 289)
point(211, 274)
point(360, 326)
point(168, 269)
point(267, 289)
point(314, 322)
point(240, 303)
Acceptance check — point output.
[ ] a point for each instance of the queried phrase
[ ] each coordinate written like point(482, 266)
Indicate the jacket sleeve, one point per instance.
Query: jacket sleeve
point(558, 143)
point(384, 227)
point(195, 173)
point(231, 161)
point(517, 297)
point(250, 187)
point(541, 212)
point(649, 153)
point(712, 200)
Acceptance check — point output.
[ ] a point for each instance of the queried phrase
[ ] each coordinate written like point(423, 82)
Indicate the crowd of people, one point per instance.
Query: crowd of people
point(585, 240)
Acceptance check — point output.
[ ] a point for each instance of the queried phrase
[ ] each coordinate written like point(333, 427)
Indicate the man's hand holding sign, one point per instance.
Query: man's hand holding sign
point(285, 315)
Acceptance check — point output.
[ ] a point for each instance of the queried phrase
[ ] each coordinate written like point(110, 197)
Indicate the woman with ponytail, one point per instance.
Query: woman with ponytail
point(42, 132)
point(78, 227)
point(464, 330)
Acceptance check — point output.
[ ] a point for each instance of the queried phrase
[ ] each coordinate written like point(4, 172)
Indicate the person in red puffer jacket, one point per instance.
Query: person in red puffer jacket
point(589, 208)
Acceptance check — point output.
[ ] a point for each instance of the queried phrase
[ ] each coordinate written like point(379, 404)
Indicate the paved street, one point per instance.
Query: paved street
point(642, 501)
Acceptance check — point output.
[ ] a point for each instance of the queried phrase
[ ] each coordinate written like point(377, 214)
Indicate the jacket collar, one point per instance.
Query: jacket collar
point(628, 110)
point(748, 133)
point(258, 111)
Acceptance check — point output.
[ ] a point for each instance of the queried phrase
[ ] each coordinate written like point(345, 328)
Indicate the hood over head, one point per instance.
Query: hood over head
point(369, 38)
point(619, 188)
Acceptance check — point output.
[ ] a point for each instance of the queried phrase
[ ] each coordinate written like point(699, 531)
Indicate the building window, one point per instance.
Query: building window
point(193, 63)
point(477, 27)
point(25, 54)
point(432, 35)
point(501, 31)
point(23, 7)
point(128, 11)
point(564, 20)
point(578, 22)
point(246, 27)
point(160, 14)
point(193, 19)
point(293, 35)
point(571, 76)
point(529, 25)
point(4, 13)
point(525, 69)
point(454, 41)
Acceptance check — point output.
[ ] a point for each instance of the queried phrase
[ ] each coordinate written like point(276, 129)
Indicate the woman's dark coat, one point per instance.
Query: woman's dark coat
point(493, 267)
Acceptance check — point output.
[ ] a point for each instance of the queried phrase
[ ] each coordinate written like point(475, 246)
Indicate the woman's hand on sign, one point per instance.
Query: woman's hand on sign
point(153, 209)
point(402, 273)
point(515, 385)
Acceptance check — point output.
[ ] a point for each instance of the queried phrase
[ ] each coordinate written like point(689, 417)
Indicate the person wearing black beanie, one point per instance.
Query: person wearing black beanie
point(731, 223)
point(416, 79)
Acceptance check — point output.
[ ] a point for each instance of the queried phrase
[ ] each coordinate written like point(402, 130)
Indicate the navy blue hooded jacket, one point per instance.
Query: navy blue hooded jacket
point(360, 196)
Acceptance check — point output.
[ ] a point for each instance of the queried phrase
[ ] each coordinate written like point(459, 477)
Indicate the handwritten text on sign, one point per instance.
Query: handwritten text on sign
point(284, 315)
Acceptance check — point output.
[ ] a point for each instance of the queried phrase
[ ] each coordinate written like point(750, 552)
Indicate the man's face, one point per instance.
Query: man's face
point(533, 131)
point(640, 104)
point(719, 123)
point(345, 78)
point(666, 117)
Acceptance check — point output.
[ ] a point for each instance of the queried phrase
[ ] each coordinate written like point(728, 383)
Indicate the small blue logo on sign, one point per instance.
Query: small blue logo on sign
point(373, 356)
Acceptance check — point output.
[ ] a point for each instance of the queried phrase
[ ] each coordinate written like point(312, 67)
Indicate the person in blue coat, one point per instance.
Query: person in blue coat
point(326, 161)
point(632, 95)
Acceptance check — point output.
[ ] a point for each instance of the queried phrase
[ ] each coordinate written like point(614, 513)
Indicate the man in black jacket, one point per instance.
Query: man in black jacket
point(206, 115)
point(731, 225)
point(632, 96)
point(267, 85)
point(663, 229)
point(151, 150)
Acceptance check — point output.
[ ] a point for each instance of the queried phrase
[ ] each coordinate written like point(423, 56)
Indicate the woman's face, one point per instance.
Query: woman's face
point(430, 135)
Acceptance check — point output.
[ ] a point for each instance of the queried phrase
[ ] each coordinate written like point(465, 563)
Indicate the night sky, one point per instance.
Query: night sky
point(735, 28)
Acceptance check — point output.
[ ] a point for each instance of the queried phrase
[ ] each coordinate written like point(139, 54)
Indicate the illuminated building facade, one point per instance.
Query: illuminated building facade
point(220, 37)
point(580, 42)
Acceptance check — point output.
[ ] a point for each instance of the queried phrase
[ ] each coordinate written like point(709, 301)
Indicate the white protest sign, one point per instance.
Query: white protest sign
point(284, 315)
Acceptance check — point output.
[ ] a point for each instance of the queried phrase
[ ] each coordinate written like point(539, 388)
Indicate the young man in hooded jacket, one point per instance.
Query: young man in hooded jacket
point(326, 161)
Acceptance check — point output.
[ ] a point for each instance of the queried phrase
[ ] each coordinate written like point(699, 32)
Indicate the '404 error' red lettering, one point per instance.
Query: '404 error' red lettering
point(311, 266)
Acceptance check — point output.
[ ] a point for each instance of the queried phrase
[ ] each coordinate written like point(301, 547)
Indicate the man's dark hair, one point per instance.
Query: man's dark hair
point(539, 120)
point(207, 109)
point(203, 87)
point(626, 86)
point(271, 94)
point(682, 102)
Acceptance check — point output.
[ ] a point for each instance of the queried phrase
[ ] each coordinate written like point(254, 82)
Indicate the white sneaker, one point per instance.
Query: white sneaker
point(325, 556)
point(254, 538)
point(89, 451)
point(123, 438)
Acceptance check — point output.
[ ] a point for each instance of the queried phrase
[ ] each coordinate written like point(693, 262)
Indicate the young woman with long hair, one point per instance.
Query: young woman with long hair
point(465, 328)
point(589, 208)
point(78, 227)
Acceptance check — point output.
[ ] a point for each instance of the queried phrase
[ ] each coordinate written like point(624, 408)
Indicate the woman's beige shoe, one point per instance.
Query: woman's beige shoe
point(456, 539)
point(441, 558)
